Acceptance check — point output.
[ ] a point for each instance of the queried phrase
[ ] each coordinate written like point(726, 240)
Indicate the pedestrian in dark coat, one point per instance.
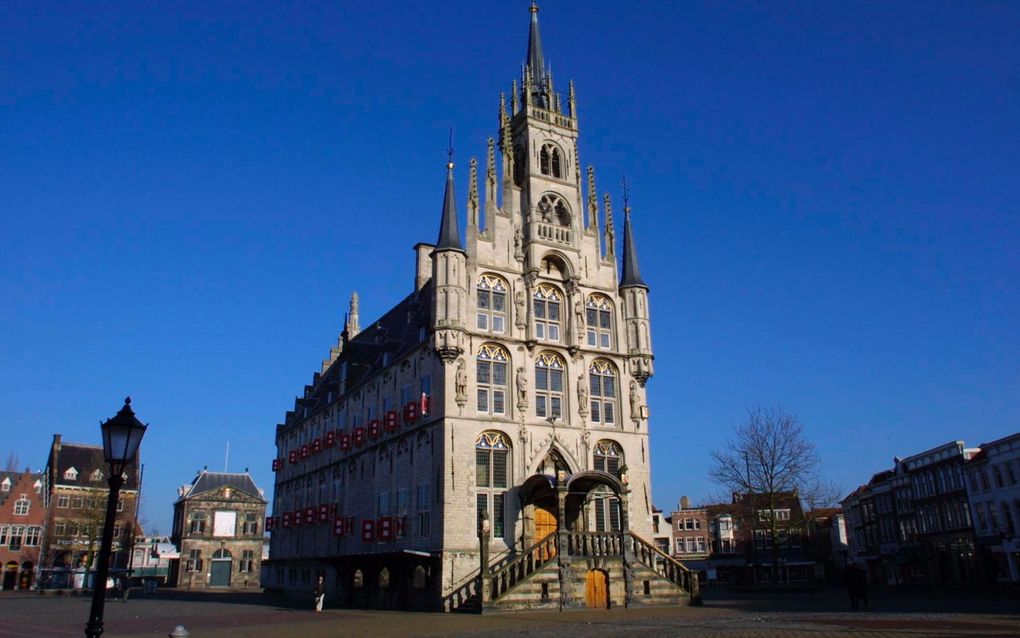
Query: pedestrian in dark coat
point(320, 594)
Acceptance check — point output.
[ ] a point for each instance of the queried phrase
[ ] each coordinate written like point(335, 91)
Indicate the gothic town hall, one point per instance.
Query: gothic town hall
point(485, 443)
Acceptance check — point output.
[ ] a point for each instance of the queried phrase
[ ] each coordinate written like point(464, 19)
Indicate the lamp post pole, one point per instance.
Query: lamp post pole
point(122, 435)
point(94, 628)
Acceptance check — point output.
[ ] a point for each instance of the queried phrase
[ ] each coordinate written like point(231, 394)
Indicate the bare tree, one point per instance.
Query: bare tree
point(767, 465)
point(12, 461)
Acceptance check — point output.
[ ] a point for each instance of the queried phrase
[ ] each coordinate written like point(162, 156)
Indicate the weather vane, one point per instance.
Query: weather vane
point(449, 150)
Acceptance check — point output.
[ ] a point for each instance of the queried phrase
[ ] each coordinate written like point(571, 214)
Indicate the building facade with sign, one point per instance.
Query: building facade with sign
point(218, 528)
point(485, 442)
point(75, 491)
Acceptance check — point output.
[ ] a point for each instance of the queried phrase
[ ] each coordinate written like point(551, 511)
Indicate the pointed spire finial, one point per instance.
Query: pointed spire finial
point(626, 197)
point(449, 231)
point(610, 226)
point(535, 61)
point(631, 276)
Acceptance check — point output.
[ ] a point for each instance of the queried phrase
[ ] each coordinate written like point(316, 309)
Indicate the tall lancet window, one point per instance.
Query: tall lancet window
point(492, 477)
point(607, 457)
point(491, 312)
point(491, 379)
point(549, 160)
point(602, 381)
point(547, 308)
point(549, 370)
point(599, 317)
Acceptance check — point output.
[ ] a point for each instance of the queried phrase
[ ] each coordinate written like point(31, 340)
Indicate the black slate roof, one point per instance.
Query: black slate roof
point(86, 459)
point(207, 481)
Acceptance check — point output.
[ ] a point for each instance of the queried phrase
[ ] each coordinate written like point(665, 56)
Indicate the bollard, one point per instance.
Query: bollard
point(179, 632)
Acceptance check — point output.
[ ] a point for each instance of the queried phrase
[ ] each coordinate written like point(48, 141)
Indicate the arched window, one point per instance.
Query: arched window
point(547, 306)
point(607, 457)
point(599, 317)
point(553, 210)
point(549, 369)
point(491, 379)
point(549, 160)
point(492, 477)
point(491, 311)
point(603, 386)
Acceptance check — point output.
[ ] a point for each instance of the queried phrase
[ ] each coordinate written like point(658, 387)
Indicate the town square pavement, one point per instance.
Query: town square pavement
point(806, 614)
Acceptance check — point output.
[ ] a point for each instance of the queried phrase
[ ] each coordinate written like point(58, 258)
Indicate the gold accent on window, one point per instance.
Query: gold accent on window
point(545, 291)
point(549, 360)
point(602, 366)
point(492, 440)
point(492, 352)
point(609, 448)
point(601, 302)
point(492, 282)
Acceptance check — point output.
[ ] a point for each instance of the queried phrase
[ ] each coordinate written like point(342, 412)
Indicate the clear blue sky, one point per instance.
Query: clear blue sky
point(826, 199)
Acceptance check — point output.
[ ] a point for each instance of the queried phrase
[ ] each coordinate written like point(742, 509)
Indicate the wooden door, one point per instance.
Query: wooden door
point(545, 524)
point(596, 589)
point(220, 573)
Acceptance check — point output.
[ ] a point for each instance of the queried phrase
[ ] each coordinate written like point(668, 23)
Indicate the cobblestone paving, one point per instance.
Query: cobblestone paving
point(724, 615)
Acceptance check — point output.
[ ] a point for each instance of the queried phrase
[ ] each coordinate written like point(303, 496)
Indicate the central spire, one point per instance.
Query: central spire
point(535, 60)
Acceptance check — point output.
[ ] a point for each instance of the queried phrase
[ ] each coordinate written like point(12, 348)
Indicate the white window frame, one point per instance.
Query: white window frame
point(599, 322)
point(488, 317)
point(547, 309)
point(490, 396)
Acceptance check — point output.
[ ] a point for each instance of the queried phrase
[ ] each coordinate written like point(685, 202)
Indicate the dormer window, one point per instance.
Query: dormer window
point(97, 475)
point(71, 474)
point(5, 486)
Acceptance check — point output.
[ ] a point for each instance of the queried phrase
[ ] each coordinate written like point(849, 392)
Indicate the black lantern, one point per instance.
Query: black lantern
point(121, 437)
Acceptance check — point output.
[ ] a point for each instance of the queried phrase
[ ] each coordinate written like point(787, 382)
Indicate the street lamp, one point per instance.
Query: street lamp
point(121, 436)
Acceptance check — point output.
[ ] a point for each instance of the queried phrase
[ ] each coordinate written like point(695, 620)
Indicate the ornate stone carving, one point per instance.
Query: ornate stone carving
point(635, 402)
point(518, 243)
point(520, 305)
point(582, 395)
point(447, 344)
point(460, 384)
point(522, 389)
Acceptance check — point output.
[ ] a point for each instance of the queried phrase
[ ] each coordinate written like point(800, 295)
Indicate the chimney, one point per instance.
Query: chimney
point(685, 503)
point(423, 264)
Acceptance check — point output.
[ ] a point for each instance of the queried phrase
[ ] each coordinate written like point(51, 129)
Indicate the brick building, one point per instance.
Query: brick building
point(218, 528)
point(22, 516)
point(502, 399)
point(75, 491)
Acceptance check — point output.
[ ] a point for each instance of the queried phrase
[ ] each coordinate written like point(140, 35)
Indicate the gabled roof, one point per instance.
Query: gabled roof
point(207, 481)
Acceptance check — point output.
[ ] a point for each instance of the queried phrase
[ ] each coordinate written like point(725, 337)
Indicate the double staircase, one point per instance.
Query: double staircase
point(553, 574)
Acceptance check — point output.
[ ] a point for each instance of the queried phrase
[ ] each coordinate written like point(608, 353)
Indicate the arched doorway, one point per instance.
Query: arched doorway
point(596, 589)
point(25, 581)
point(10, 575)
point(219, 573)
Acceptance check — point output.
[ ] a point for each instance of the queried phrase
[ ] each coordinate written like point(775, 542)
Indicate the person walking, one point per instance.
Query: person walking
point(320, 594)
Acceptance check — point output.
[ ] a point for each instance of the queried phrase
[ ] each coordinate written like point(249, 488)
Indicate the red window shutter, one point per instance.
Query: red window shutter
point(392, 418)
point(373, 428)
point(317, 445)
point(359, 436)
point(293, 456)
point(304, 451)
point(385, 528)
point(269, 523)
point(330, 439)
point(345, 442)
point(367, 531)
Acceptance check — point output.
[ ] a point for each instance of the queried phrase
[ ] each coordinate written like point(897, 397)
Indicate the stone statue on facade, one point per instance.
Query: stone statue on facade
point(522, 389)
point(635, 401)
point(579, 320)
point(582, 395)
point(460, 384)
point(518, 243)
point(521, 306)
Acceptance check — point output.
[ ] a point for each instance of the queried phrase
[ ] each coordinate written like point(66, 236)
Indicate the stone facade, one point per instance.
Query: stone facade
point(993, 488)
point(218, 527)
point(502, 400)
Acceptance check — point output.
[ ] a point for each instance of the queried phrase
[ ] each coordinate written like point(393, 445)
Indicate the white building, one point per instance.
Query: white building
point(503, 399)
point(993, 487)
